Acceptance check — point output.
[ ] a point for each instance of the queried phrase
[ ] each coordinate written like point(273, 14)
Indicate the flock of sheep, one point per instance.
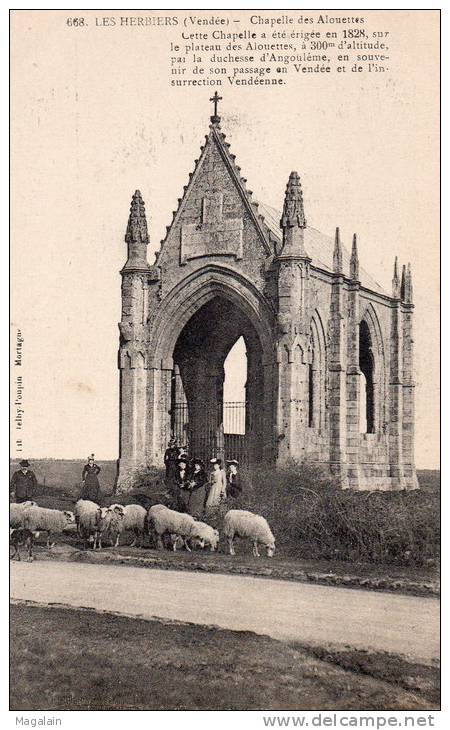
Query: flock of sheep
point(96, 525)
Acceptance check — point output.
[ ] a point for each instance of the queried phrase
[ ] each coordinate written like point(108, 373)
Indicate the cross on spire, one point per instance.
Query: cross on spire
point(215, 99)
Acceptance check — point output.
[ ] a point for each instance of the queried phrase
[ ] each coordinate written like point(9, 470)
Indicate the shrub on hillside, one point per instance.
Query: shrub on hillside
point(312, 517)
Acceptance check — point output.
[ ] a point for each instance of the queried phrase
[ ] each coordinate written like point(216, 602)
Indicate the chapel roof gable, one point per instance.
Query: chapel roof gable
point(217, 138)
point(266, 220)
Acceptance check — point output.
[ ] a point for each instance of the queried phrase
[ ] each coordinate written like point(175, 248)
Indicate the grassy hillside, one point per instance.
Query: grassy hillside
point(429, 479)
point(310, 518)
point(65, 474)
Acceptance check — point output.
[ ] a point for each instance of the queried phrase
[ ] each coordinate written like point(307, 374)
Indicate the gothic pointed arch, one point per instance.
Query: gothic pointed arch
point(192, 293)
point(372, 364)
point(317, 371)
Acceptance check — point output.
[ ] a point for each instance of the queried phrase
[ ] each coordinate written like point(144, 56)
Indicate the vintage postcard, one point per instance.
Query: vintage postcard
point(224, 474)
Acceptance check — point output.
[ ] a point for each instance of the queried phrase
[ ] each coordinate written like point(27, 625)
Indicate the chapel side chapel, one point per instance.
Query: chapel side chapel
point(329, 353)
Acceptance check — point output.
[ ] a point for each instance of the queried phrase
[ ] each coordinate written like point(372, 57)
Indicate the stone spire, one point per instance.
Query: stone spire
point(354, 260)
point(403, 284)
point(396, 281)
point(293, 212)
point(337, 254)
point(136, 235)
point(137, 222)
point(293, 220)
point(408, 285)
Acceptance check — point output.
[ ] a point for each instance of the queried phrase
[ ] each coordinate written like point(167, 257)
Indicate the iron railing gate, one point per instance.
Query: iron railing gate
point(223, 432)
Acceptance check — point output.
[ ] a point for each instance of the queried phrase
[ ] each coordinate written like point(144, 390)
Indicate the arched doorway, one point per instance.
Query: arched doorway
point(209, 424)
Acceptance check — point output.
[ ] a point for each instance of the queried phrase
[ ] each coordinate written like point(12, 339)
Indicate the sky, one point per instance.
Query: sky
point(94, 118)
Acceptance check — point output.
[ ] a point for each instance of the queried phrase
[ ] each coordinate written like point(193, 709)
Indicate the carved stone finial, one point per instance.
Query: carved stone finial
point(137, 222)
point(354, 260)
point(293, 211)
point(136, 236)
point(293, 220)
point(337, 254)
point(396, 281)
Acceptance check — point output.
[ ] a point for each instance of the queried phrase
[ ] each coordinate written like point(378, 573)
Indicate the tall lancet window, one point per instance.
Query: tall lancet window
point(311, 392)
point(317, 365)
point(367, 390)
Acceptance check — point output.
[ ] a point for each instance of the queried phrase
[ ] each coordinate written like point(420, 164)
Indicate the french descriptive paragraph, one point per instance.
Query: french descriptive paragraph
point(259, 49)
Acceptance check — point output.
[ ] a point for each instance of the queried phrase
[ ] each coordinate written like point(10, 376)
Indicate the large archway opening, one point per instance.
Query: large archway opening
point(217, 384)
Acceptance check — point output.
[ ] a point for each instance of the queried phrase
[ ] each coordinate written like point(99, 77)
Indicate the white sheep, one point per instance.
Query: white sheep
point(241, 523)
point(110, 523)
point(87, 515)
point(135, 519)
point(156, 507)
point(47, 520)
point(162, 520)
point(205, 534)
point(102, 523)
point(16, 512)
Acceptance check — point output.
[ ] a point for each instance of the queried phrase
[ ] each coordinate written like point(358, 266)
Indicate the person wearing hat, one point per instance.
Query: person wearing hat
point(23, 482)
point(217, 485)
point(89, 481)
point(171, 461)
point(198, 481)
point(182, 484)
point(234, 487)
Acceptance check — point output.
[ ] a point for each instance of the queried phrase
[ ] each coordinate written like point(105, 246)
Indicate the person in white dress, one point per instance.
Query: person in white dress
point(217, 485)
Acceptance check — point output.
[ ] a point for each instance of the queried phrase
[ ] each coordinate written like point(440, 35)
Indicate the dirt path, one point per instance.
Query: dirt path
point(319, 615)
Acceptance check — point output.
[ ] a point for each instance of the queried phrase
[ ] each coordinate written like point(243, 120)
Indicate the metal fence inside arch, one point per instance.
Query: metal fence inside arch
point(224, 433)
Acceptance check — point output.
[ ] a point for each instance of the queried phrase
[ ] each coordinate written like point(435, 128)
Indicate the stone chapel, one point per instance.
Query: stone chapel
point(329, 352)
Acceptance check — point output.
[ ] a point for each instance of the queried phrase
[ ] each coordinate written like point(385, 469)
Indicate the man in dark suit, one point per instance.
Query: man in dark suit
point(234, 486)
point(23, 482)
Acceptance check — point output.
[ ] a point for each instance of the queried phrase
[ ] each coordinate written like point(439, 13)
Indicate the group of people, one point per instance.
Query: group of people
point(23, 482)
point(192, 488)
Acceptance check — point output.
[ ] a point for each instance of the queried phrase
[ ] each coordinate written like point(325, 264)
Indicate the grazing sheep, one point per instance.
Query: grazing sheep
point(16, 512)
point(162, 520)
point(21, 537)
point(110, 523)
point(135, 517)
point(240, 523)
point(157, 507)
point(40, 519)
point(87, 515)
point(205, 534)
